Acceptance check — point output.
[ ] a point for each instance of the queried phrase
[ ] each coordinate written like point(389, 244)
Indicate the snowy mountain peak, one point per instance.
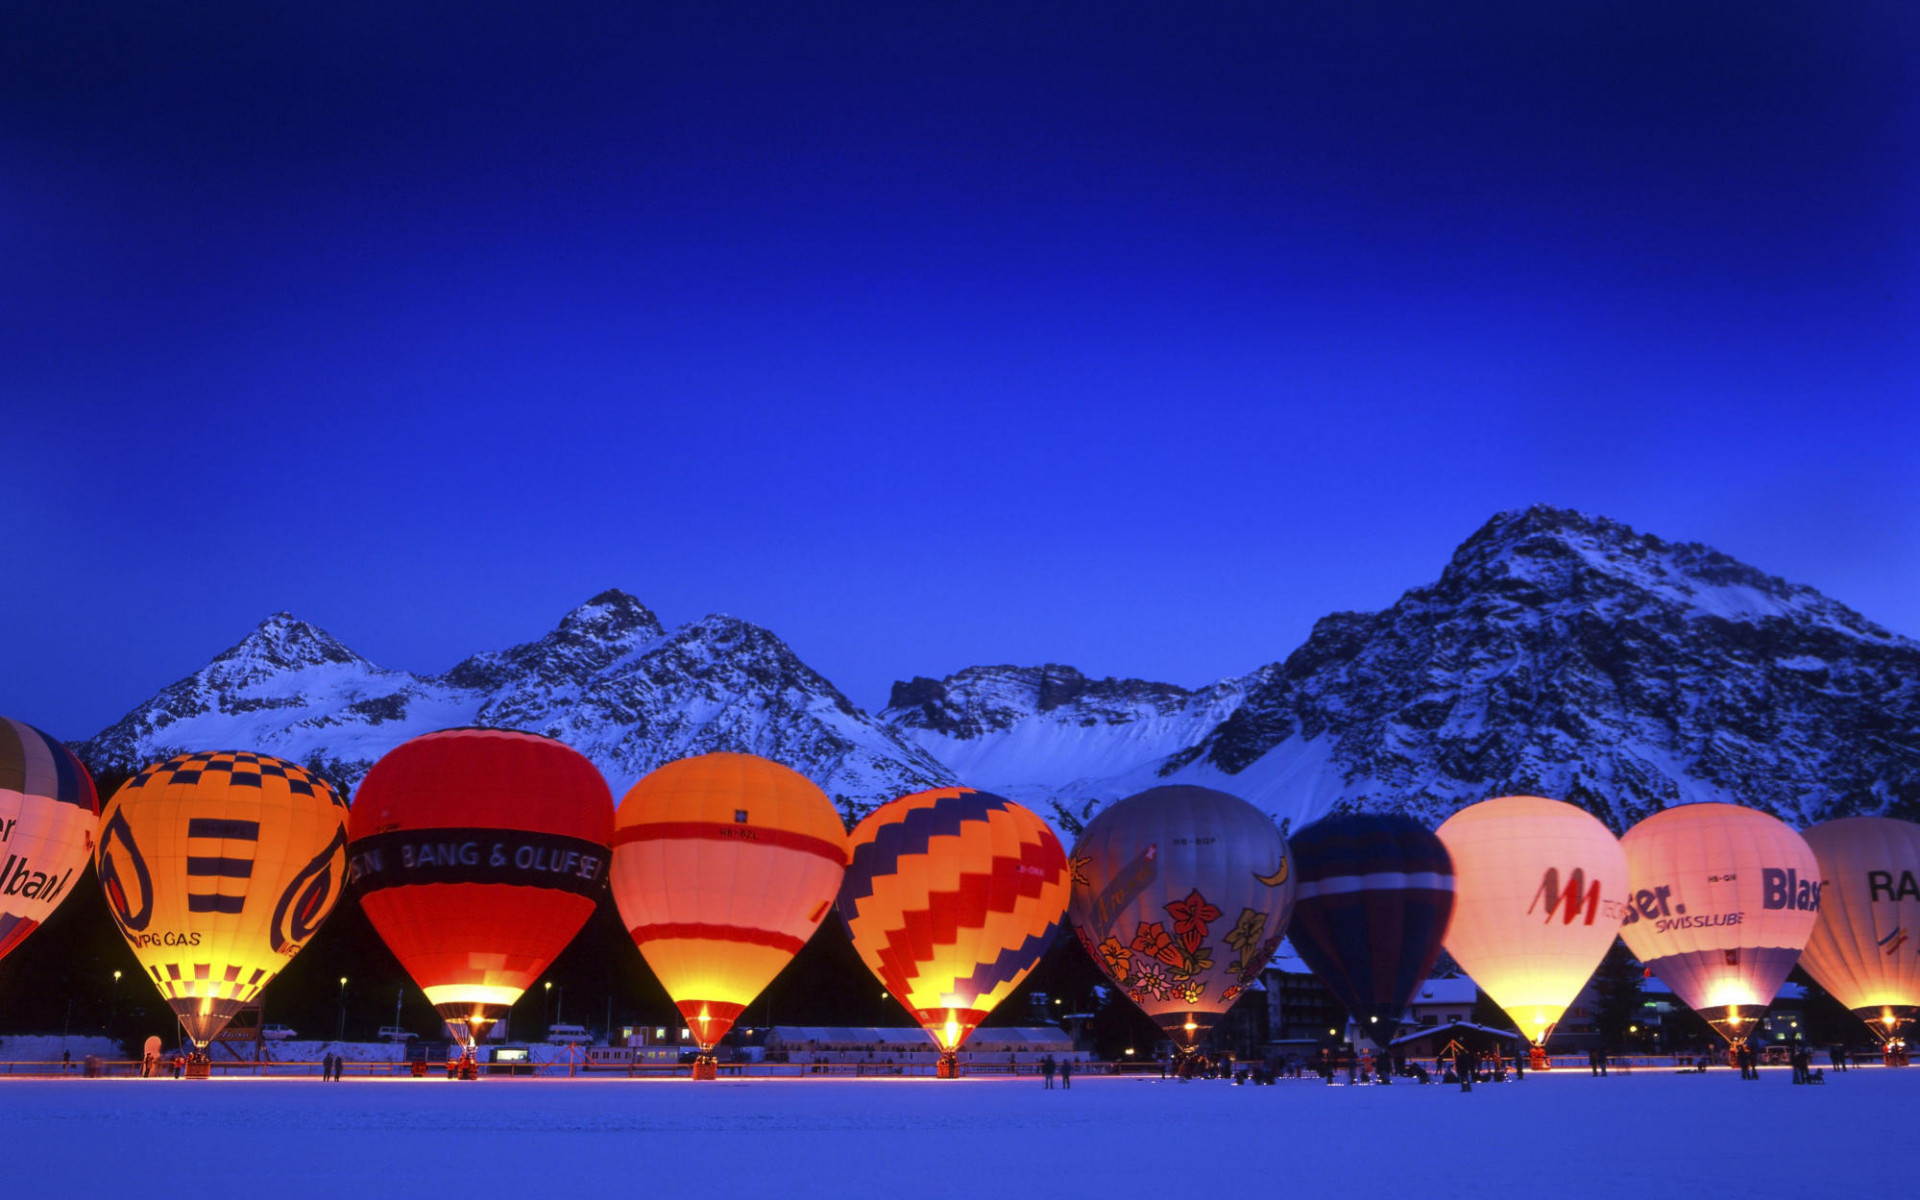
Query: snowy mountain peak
point(613, 615)
point(611, 626)
point(1571, 656)
point(1542, 554)
point(284, 642)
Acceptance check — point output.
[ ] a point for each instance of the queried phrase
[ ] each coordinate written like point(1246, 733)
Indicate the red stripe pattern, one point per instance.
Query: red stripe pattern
point(643, 934)
point(747, 835)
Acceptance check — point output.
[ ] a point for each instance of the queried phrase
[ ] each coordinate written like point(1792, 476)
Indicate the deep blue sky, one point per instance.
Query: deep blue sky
point(1135, 337)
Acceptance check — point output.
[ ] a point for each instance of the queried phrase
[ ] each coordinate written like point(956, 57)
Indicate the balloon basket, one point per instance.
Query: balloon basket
point(467, 1068)
point(199, 1066)
point(1537, 1059)
point(948, 1066)
point(705, 1067)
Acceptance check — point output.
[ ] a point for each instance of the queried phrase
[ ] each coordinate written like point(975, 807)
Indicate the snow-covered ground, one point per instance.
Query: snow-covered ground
point(1646, 1135)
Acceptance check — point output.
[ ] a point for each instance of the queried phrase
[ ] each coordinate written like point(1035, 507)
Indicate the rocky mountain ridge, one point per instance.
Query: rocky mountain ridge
point(1558, 653)
point(609, 680)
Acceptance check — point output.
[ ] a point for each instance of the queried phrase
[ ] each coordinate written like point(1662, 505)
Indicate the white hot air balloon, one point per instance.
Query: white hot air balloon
point(1540, 889)
point(1865, 948)
point(49, 815)
point(1724, 898)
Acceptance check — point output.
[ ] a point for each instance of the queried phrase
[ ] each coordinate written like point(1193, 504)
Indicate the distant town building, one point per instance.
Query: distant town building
point(1299, 1008)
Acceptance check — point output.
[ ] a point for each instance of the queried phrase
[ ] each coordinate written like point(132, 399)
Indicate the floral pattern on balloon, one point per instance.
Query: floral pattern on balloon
point(1180, 895)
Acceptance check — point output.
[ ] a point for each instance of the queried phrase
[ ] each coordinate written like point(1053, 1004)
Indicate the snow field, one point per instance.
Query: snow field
point(1646, 1135)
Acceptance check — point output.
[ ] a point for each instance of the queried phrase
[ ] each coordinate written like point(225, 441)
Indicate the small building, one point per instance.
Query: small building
point(1299, 1008)
point(1442, 1001)
point(1786, 1019)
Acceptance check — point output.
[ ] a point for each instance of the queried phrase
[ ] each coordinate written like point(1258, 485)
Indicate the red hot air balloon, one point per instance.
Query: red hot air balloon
point(478, 854)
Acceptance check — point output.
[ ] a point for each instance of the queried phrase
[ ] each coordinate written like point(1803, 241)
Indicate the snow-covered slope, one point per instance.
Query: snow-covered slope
point(1049, 734)
point(609, 680)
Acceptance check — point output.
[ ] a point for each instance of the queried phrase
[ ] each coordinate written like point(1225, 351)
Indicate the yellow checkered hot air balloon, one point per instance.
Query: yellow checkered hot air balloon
point(218, 868)
point(951, 898)
point(723, 866)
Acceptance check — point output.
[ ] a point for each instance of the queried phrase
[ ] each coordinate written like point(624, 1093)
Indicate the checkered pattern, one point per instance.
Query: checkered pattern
point(243, 769)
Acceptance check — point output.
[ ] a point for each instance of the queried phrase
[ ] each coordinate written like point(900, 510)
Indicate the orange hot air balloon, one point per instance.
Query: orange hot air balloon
point(1724, 898)
point(1539, 890)
point(723, 866)
point(951, 898)
point(478, 854)
point(1865, 948)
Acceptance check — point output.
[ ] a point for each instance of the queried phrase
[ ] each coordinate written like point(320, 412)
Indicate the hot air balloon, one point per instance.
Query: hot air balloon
point(723, 866)
point(478, 854)
point(1181, 894)
point(1723, 900)
point(1864, 948)
point(951, 897)
point(1372, 905)
point(218, 868)
point(1539, 890)
point(48, 815)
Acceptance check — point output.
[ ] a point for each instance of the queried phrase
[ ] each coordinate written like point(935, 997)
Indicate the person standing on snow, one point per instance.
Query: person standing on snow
point(1066, 1073)
point(1046, 1070)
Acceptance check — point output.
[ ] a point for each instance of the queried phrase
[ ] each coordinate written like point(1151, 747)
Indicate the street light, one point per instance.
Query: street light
point(113, 1010)
point(340, 1035)
point(546, 1004)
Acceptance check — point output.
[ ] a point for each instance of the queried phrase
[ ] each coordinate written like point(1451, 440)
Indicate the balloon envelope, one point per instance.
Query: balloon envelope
point(1723, 899)
point(1374, 897)
point(723, 866)
point(218, 868)
point(1864, 948)
point(951, 897)
point(49, 813)
point(1181, 894)
point(478, 854)
point(1539, 890)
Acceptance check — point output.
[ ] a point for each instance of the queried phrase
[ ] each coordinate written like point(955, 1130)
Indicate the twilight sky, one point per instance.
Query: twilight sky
point(1135, 337)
